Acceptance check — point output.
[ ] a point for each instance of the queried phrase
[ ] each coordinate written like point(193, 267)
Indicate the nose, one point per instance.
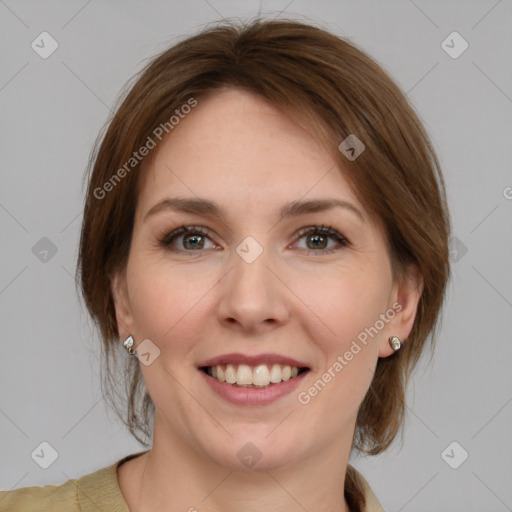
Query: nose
point(252, 297)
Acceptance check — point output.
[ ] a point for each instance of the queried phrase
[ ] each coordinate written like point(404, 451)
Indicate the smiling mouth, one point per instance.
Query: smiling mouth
point(259, 376)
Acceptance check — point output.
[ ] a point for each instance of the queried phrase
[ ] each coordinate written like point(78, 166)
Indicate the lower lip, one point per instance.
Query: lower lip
point(253, 396)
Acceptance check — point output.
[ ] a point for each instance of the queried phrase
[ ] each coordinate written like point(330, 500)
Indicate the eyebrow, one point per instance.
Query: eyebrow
point(206, 207)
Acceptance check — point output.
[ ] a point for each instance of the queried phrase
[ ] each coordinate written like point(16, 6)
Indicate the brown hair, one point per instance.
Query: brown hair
point(335, 90)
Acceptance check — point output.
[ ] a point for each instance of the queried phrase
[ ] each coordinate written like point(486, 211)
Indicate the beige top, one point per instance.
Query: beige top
point(93, 492)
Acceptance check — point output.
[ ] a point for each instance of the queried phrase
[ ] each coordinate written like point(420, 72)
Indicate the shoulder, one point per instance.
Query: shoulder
point(371, 502)
point(47, 497)
point(92, 492)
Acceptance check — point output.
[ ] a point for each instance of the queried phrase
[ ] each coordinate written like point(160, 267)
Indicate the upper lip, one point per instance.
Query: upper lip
point(237, 358)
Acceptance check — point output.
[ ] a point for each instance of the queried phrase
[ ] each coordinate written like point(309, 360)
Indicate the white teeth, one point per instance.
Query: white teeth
point(275, 374)
point(247, 376)
point(243, 375)
point(261, 376)
point(230, 374)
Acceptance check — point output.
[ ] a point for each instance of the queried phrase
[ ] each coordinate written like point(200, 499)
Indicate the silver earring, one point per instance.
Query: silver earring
point(395, 343)
point(128, 345)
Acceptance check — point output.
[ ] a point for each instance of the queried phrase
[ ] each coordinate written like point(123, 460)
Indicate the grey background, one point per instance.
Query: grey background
point(52, 110)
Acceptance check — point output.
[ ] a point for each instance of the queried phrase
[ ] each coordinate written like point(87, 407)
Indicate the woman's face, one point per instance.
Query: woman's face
point(258, 290)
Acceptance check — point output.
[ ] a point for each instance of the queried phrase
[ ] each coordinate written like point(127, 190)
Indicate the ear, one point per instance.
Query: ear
point(121, 299)
point(404, 302)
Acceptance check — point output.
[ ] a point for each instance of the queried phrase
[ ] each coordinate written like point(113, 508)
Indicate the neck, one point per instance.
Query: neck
point(177, 474)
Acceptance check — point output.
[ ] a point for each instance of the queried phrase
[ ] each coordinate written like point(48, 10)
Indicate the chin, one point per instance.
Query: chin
point(254, 452)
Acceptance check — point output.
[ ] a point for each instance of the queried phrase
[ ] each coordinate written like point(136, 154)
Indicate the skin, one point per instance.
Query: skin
point(194, 304)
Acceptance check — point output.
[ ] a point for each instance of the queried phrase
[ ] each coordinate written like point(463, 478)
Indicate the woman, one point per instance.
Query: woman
point(266, 233)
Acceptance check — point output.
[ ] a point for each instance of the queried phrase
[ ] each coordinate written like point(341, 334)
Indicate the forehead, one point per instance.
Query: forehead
point(237, 148)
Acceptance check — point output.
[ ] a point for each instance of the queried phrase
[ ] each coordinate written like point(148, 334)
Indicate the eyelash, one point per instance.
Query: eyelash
point(167, 239)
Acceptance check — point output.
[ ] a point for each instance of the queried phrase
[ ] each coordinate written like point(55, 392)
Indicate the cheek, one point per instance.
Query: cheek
point(347, 305)
point(343, 304)
point(361, 301)
point(166, 303)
